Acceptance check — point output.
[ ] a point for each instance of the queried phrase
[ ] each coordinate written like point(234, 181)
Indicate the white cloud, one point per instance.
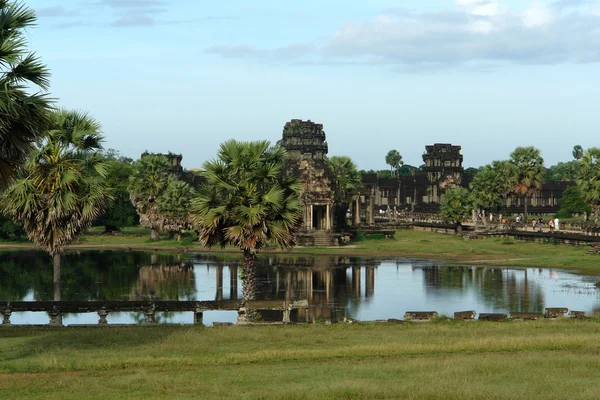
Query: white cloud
point(480, 31)
point(538, 14)
point(482, 8)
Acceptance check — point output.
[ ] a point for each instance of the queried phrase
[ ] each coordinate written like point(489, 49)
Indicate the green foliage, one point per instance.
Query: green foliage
point(407, 170)
point(121, 213)
point(488, 187)
point(588, 179)
point(577, 152)
point(160, 199)
point(455, 205)
point(572, 203)
point(63, 188)
point(347, 177)
point(394, 160)
point(530, 171)
point(563, 171)
point(10, 230)
point(23, 116)
point(248, 200)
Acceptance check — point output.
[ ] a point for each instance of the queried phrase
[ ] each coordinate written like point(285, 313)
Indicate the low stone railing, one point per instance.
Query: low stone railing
point(551, 312)
point(56, 309)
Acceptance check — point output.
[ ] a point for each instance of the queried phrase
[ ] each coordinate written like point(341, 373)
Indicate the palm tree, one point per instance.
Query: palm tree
point(23, 116)
point(530, 172)
point(347, 179)
point(247, 201)
point(588, 179)
point(394, 160)
point(148, 181)
point(62, 189)
point(174, 205)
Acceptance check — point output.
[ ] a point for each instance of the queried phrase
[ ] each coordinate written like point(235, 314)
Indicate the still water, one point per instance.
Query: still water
point(336, 287)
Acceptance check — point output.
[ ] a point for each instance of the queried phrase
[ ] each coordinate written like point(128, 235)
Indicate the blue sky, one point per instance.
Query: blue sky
point(185, 75)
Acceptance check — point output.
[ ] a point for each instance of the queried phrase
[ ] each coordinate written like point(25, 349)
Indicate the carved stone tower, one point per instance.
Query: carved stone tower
point(443, 166)
point(306, 149)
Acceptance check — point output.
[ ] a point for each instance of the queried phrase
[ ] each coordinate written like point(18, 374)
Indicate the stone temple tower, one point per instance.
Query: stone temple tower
point(306, 149)
point(443, 166)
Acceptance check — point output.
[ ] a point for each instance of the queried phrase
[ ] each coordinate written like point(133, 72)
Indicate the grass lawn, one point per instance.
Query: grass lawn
point(439, 360)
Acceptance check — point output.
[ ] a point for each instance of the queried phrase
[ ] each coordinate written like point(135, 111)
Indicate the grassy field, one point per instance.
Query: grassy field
point(407, 243)
point(439, 360)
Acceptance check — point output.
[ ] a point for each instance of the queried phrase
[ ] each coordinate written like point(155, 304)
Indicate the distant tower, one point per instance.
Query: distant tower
point(443, 166)
point(306, 149)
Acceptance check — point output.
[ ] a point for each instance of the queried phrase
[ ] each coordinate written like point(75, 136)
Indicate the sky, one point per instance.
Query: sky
point(186, 75)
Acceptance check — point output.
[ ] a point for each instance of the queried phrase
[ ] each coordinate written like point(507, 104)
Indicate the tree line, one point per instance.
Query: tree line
point(522, 176)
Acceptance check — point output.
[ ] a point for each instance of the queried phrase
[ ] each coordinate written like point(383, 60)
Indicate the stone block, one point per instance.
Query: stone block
point(555, 312)
point(465, 315)
point(493, 317)
point(526, 316)
point(577, 314)
point(419, 315)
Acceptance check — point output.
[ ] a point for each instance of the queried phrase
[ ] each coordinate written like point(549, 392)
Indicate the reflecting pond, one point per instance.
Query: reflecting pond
point(336, 287)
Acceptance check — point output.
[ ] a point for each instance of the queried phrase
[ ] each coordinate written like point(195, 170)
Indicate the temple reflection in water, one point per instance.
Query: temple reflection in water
point(335, 287)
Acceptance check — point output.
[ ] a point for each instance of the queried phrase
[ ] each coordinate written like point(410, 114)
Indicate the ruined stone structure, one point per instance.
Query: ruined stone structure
point(175, 161)
point(444, 170)
point(306, 149)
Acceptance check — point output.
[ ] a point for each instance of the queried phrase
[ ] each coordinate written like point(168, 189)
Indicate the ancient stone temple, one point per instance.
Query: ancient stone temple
point(306, 149)
point(444, 170)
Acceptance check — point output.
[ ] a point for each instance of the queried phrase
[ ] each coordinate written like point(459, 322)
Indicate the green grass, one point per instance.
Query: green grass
point(440, 360)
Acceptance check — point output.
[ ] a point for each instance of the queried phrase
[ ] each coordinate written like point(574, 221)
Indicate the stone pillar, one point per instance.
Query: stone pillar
point(102, 314)
point(219, 279)
point(328, 285)
point(286, 314)
point(55, 317)
point(233, 282)
point(149, 315)
point(288, 285)
point(6, 316)
point(370, 209)
point(370, 284)
point(309, 284)
point(198, 316)
point(356, 284)
point(356, 211)
point(327, 218)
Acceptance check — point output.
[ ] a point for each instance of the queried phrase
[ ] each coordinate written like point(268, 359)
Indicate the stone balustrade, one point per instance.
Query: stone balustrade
point(55, 310)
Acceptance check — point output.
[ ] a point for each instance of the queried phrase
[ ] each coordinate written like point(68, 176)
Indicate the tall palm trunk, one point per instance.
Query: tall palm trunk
point(525, 213)
point(249, 281)
point(56, 282)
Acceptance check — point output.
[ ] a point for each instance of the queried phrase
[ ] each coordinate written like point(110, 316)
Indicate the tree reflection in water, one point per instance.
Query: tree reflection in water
point(498, 288)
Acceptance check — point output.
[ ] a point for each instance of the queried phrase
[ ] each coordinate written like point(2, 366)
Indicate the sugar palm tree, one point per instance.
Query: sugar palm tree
point(62, 187)
point(23, 115)
point(148, 181)
point(394, 160)
point(248, 202)
point(530, 172)
point(174, 206)
point(347, 179)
